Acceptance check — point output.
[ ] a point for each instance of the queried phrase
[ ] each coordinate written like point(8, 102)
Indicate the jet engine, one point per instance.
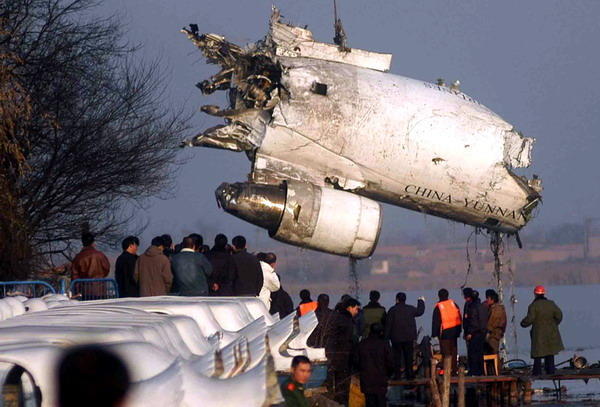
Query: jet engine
point(306, 215)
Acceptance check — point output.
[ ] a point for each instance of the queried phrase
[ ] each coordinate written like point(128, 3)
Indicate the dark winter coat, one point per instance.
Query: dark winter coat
point(340, 340)
point(376, 364)
point(153, 273)
point(223, 271)
point(124, 271)
point(475, 317)
point(191, 271)
point(401, 325)
point(281, 302)
point(544, 316)
point(318, 338)
point(373, 313)
point(248, 274)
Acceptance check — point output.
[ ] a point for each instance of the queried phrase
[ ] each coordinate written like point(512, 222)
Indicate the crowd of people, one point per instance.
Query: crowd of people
point(189, 268)
point(376, 343)
point(379, 344)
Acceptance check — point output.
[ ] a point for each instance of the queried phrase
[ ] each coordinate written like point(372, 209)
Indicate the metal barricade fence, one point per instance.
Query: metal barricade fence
point(36, 288)
point(87, 289)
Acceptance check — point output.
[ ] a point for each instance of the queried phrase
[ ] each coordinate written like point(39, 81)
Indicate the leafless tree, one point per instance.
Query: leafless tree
point(93, 138)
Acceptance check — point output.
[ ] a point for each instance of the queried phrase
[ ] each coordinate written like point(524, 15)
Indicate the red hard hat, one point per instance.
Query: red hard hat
point(539, 289)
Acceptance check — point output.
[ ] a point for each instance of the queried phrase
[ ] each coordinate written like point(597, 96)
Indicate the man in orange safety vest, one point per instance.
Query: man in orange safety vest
point(446, 326)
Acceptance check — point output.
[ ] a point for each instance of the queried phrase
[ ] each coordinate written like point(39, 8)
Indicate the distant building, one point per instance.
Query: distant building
point(380, 267)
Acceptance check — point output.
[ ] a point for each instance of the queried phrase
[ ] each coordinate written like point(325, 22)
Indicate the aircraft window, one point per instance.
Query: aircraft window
point(319, 88)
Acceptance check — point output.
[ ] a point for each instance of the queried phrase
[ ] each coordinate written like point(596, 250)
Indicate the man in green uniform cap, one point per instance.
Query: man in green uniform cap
point(292, 389)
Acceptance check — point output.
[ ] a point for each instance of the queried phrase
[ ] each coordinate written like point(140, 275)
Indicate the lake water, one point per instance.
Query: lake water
point(580, 328)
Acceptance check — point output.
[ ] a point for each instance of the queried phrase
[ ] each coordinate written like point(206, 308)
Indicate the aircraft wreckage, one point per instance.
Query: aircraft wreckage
point(330, 132)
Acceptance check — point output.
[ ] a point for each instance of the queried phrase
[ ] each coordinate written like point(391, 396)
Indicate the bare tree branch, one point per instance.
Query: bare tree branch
point(98, 136)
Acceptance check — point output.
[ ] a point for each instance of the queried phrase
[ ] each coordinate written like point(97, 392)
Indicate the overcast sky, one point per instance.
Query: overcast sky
point(535, 63)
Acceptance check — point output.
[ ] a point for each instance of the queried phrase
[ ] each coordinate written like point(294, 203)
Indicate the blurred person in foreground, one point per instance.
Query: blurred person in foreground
point(92, 376)
point(268, 262)
point(543, 316)
point(376, 366)
point(292, 389)
point(401, 330)
point(446, 325)
point(191, 270)
point(125, 268)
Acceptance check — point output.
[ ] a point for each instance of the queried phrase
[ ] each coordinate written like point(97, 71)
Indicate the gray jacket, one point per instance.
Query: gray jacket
point(191, 271)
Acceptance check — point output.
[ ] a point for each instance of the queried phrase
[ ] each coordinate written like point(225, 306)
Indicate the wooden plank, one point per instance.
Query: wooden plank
point(514, 394)
point(461, 386)
point(454, 380)
point(435, 393)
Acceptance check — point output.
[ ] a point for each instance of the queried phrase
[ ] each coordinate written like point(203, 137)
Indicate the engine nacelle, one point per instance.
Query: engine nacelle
point(307, 215)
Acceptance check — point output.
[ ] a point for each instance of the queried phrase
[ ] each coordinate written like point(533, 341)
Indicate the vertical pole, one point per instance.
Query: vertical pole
point(514, 395)
point(354, 287)
point(461, 386)
point(527, 392)
point(446, 385)
point(496, 246)
point(586, 237)
point(435, 393)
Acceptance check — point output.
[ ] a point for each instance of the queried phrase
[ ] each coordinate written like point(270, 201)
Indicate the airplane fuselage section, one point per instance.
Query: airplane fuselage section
point(329, 131)
point(406, 142)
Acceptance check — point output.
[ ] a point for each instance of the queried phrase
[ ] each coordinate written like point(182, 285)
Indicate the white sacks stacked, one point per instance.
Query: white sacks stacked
point(180, 351)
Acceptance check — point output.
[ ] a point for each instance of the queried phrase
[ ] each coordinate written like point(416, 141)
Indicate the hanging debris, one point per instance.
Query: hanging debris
point(324, 117)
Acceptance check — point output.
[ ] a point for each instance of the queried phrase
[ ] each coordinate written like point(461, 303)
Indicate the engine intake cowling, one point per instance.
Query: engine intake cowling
point(306, 215)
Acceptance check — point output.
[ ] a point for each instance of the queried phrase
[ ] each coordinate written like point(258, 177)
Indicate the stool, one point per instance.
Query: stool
point(495, 359)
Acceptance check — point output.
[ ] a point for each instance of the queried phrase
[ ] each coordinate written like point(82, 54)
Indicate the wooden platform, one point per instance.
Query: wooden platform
point(454, 380)
point(504, 390)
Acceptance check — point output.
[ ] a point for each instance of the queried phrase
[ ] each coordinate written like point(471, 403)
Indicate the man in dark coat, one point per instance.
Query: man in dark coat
point(125, 268)
point(373, 313)
point(191, 270)
point(318, 338)
point(475, 317)
point(376, 366)
point(339, 348)
point(543, 316)
point(281, 302)
point(248, 273)
point(401, 329)
point(223, 267)
point(446, 325)
point(169, 249)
